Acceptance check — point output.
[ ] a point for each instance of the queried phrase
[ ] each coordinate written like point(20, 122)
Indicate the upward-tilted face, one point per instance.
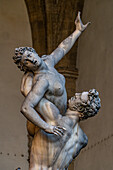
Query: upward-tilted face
point(87, 103)
point(78, 99)
point(31, 60)
point(27, 59)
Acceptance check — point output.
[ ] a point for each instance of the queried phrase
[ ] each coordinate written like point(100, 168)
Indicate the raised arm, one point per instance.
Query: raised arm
point(67, 44)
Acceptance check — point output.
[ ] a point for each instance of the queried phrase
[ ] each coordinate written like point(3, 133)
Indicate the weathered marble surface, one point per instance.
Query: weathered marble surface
point(57, 136)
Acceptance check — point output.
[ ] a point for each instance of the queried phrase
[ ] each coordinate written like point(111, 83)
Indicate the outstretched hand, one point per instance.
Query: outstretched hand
point(79, 25)
point(56, 130)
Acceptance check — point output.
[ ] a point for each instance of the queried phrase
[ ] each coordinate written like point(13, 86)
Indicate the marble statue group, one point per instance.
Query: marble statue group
point(57, 136)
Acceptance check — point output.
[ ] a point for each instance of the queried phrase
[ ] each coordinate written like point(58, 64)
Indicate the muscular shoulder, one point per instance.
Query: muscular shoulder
point(54, 57)
point(48, 60)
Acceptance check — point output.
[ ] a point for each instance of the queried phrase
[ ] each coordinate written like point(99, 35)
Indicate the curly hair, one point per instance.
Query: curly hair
point(88, 108)
point(18, 57)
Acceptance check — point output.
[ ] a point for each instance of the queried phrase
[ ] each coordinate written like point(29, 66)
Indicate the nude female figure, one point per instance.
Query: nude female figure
point(43, 80)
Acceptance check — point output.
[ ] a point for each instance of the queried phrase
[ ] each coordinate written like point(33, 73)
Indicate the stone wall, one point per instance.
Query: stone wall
point(95, 65)
point(14, 32)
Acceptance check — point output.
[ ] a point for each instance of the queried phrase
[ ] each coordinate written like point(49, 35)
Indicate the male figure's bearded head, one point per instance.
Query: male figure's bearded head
point(87, 103)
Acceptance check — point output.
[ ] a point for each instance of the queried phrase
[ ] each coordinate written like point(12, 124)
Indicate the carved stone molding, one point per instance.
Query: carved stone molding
point(68, 73)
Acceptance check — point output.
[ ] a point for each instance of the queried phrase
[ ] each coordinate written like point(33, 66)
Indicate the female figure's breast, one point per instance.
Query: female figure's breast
point(57, 89)
point(56, 93)
point(56, 83)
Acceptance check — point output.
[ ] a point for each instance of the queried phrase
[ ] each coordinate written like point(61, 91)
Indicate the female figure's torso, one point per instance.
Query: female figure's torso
point(56, 92)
